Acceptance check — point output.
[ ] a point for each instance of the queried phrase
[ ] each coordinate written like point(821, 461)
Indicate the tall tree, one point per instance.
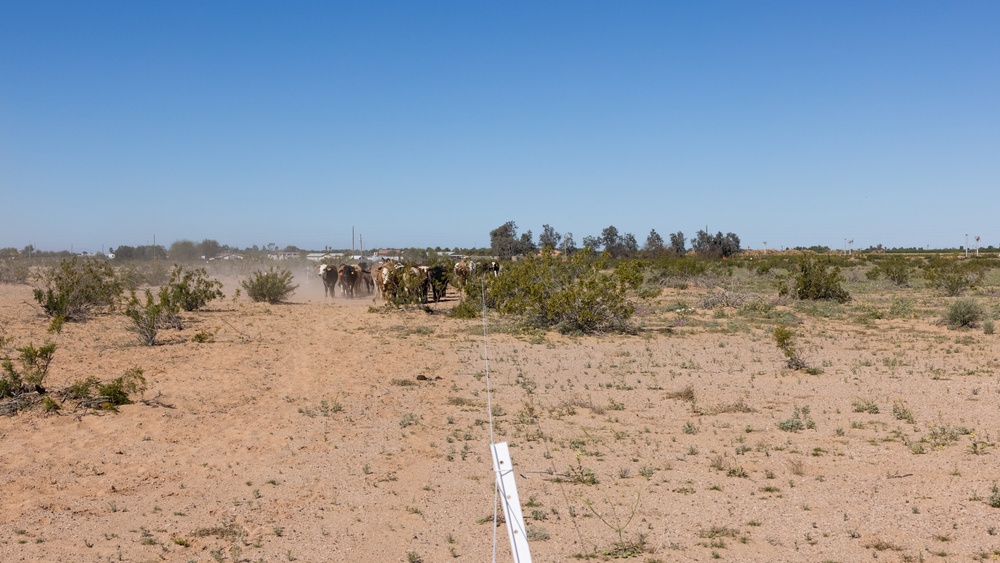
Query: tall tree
point(569, 245)
point(654, 243)
point(678, 243)
point(183, 251)
point(209, 248)
point(630, 246)
point(503, 240)
point(549, 237)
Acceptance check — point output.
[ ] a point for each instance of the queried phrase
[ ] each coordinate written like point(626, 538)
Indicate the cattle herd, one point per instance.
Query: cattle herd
point(393, 281)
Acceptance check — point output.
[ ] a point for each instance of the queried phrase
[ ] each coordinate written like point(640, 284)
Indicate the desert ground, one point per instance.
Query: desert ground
point(334, 430)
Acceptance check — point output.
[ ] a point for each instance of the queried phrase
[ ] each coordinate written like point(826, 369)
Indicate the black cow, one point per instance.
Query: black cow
point(438, 277)
point(329, 275)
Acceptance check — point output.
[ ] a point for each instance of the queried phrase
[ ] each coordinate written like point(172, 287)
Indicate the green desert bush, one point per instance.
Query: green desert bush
point(965, 313)
point(76, 287)
point(272, 286)
point(192, 289)
point(109, 394)
point(784, 338)
point(820, 279)
point(895, 268)
point(579, 295)
point(954, 277)
point(147, 318)
point(28, 372)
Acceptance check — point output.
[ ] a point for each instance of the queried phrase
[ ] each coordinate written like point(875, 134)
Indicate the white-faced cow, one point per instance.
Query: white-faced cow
point(329, 275)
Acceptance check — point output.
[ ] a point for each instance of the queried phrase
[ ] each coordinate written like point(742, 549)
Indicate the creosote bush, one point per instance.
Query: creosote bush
point(965, 313)
point(28, 373)
point(954, 277)
point(192, 289)
point(272, 286)
point(896, 269)
point(819, 279)
point(110, 394)
point(578, 295)
point(149, 317)
point(74, 288)
point(784, 338)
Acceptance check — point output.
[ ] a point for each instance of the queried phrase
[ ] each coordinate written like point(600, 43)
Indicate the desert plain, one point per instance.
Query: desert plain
point(337, 430)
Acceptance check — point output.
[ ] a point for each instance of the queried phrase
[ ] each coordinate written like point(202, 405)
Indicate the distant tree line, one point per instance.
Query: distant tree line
point(505, 243)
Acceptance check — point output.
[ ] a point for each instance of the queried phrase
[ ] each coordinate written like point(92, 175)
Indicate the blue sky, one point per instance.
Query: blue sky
point(432, 123)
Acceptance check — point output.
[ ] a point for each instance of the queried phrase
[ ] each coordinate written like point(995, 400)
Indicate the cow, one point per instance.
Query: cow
point(329, 275)
point(387, 280)
point(367, 281)
point(366, 277)
point(494, 268)
point(462, 273)
point(415, 283)
point(437, 276)
point(350, 278)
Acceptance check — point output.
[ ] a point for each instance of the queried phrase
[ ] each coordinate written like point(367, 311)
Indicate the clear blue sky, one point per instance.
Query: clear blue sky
point(431, 123)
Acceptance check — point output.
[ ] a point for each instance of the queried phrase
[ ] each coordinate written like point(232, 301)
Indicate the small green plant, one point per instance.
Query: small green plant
point(901, 412)
point(272, 286)
point(581, 474)
point(146, 319)
point(994, 499)
point(965, 313)
point(108, 395)
point(799, 421)
point(865, 405)
point(784, 338)
point(988, 327)
point(622, 548)
point(28, 375)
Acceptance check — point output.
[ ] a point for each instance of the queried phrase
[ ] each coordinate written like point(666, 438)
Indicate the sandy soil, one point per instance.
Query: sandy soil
point(321, 431)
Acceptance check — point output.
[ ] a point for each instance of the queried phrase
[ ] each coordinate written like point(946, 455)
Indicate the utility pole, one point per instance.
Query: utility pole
point(352, 239)
point(966, 245)
point(977, 245)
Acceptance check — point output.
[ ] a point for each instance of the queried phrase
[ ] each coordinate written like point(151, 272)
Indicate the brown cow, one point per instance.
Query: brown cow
point(350, 279)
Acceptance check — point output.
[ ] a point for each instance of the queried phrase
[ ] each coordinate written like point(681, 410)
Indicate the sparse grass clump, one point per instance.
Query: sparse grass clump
point(902, 412)
point(271, 286)
point(799, 421)
point(865, 405)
